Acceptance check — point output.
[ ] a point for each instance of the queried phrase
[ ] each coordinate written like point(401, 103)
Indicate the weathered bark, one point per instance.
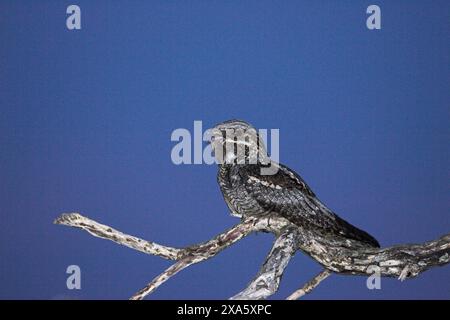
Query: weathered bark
point(335, 254)
point(351, 257)
point(269, 276)
point(310, 285)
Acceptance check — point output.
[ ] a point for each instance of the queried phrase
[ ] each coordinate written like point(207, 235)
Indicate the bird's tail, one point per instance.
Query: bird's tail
point(354, 233)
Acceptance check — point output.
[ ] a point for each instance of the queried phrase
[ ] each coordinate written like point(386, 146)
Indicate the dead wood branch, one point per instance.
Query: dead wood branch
point(335, 254)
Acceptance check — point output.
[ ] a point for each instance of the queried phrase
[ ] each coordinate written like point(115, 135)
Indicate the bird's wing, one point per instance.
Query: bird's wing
point(287, 194)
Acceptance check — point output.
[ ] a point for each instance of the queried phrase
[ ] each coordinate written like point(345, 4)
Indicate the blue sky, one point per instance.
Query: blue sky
point(86, 118)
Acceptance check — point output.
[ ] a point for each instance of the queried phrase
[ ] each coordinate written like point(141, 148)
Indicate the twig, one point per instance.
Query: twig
point(310, 285)
point(163, 277)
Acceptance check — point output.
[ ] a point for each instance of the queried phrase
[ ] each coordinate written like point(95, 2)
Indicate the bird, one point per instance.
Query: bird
point(254, 185)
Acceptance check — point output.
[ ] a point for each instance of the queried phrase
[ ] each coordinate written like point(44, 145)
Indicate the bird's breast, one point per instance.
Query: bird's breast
point(236, 196)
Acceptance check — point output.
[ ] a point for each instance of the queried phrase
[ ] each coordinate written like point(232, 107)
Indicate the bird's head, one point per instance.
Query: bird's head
point(237, 142)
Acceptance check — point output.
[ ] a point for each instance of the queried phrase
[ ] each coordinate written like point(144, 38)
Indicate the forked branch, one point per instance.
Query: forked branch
point(336, 254)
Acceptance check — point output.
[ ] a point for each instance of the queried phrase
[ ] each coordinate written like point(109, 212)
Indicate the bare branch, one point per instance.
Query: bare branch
point(336, 254)
point(210, 248)
point(163, 277)
point(346, 256)
point(268, 279)
point(102, 231)
point(310, 285)
point(186, 256)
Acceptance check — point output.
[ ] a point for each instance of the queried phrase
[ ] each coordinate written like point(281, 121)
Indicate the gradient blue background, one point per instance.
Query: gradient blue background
point(86, 118)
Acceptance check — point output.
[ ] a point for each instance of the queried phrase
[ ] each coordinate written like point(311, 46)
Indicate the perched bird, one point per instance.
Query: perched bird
point(254, 185)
